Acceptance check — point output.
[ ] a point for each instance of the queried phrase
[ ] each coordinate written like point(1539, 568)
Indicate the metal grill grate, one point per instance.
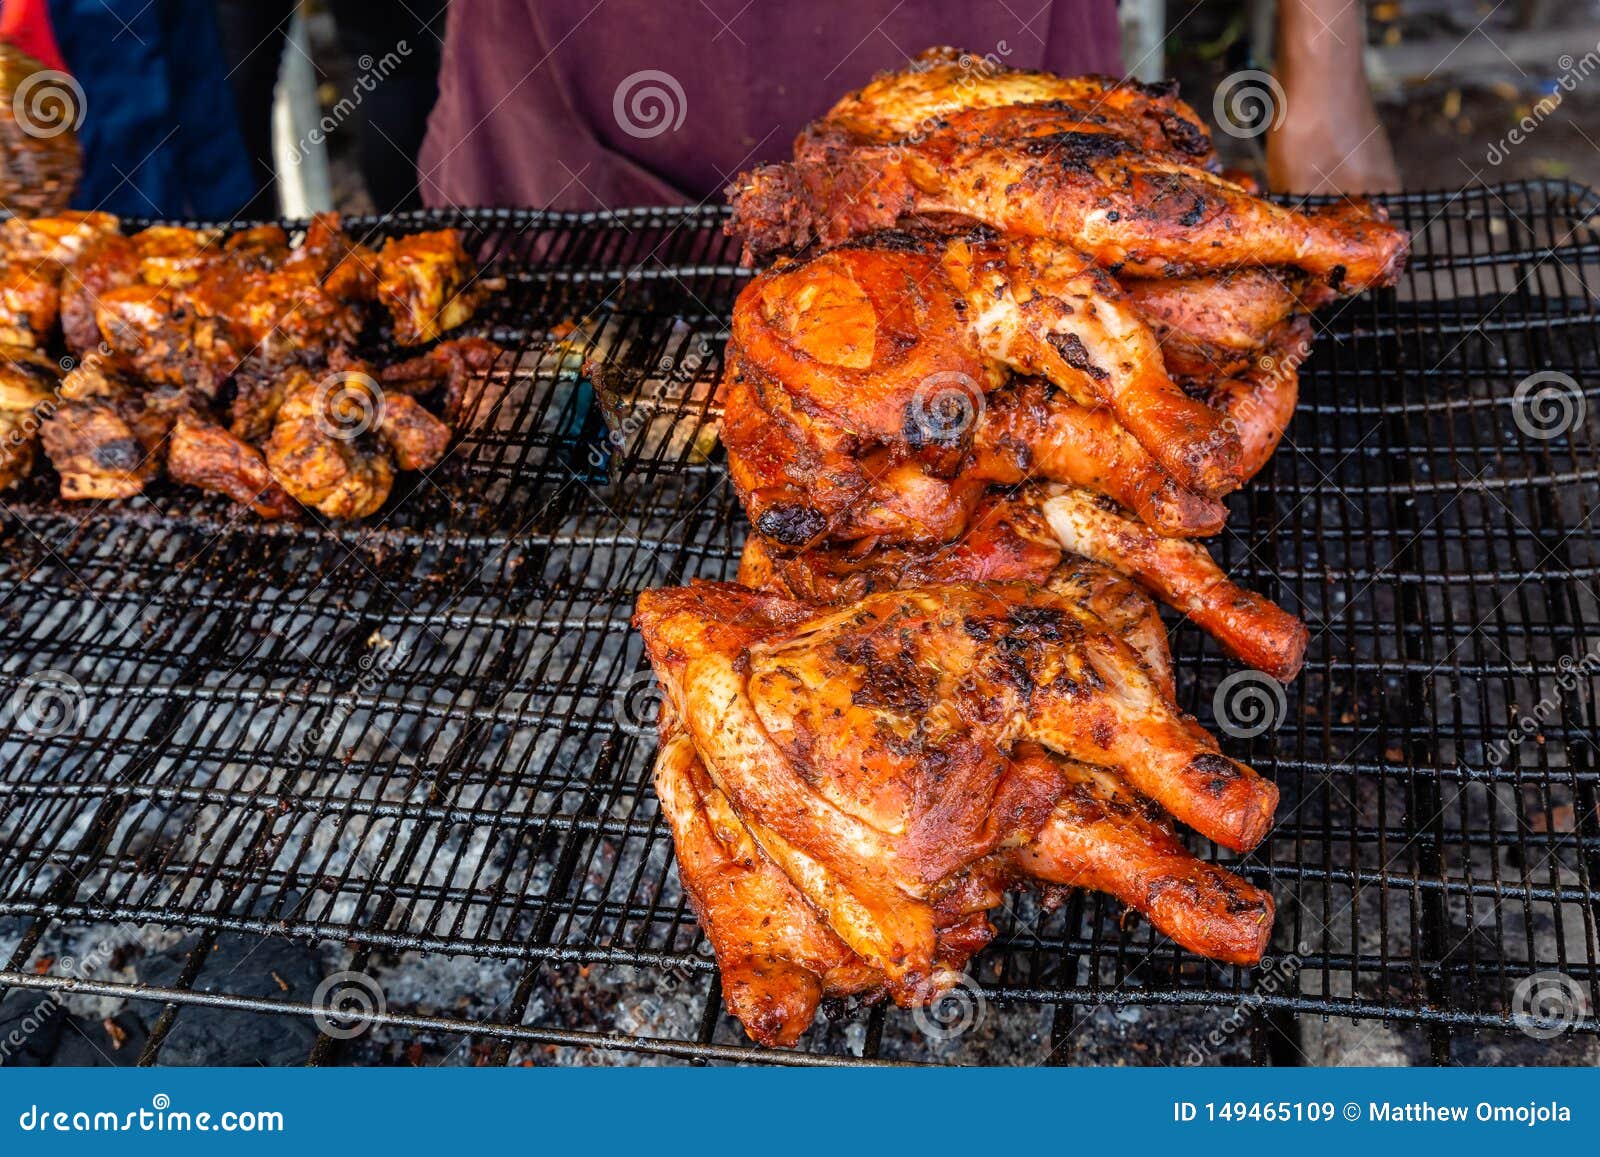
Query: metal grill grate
point(409, 742)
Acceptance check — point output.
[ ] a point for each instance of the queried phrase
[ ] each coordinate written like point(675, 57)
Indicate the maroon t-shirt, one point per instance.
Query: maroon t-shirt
point(585, 104)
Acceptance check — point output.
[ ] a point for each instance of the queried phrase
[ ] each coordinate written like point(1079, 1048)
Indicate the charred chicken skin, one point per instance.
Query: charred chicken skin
point(900, 762)
point(107, 438)
point(941, 82)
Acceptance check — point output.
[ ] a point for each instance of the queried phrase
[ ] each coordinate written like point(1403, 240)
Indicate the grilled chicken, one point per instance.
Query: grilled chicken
point(1213, 327)
point(428, 283)
point(892, 762)
point(415, 437)
point(941, 82)
point(180, 325)
point(324, 448)
point(30, 299)
point(457, 368)
point(107, 438)
point(1102, 179)
point(1070, 541)
point(1258, 401)
point(778, 958)
point(888, 350)
point(203, 454)
point(1181, 574)
point(927, 688)
point(28, 384)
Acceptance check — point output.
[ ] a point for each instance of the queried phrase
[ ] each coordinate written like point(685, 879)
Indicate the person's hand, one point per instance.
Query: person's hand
point(1330, 139)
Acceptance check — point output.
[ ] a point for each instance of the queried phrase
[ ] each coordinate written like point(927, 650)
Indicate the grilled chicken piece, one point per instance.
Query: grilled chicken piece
point(415, 437)
point(878, 755)
point(802, 482)
point(1258, 402)
point(458, 366)
point(201, 453)
point(28, 384)
point(1084, 177)
point(323, 448)
point(1007, 540)
point(428, 283)
point(107, 437)
point(30, 298)
point(1030, 430)
point(1039, 308)
point(186, 306)
point(58, 239)
point(940, 82)
point(106, 261)
point(1132, 211)
point(1184, 576)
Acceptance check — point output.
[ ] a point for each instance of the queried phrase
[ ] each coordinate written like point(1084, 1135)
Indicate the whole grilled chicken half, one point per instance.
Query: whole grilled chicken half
point(1063, 538)
point(869, 393)
point(1116, 171)
point(891, 345)
point(851, 790)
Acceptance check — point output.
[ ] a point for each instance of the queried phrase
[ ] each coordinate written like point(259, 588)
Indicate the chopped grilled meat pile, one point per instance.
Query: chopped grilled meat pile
point(1018, 342)
point(223, 359)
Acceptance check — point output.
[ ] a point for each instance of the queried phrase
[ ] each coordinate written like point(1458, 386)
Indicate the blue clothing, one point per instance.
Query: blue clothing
point(160, 132)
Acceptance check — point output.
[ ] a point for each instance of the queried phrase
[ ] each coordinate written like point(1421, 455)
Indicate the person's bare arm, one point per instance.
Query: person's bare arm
point(1330, 139)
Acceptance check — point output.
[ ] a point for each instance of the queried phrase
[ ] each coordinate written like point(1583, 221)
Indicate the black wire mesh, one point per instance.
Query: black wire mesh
point(416, 738)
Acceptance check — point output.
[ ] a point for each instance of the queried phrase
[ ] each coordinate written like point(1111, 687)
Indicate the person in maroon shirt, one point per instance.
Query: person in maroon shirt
point(587, 104)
